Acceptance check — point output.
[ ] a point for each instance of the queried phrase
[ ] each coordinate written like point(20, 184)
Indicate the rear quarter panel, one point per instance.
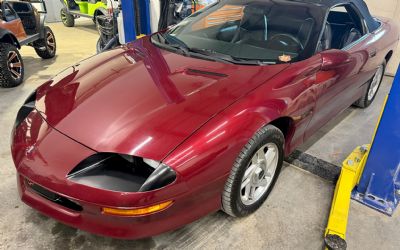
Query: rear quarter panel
point(387, 37)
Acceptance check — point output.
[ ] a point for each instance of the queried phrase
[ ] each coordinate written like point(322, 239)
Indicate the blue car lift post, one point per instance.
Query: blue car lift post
point(129, 15)
point(379, 186)
point(371, 173)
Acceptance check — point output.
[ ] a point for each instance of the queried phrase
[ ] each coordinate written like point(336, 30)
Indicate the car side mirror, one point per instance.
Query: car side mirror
point(334, 58)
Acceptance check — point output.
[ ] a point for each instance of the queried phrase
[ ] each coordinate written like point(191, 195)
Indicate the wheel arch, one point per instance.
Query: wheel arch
point(8, 37)
point(286, 125)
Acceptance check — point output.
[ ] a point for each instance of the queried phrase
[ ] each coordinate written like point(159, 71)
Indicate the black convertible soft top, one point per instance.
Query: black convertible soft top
point(360, 4)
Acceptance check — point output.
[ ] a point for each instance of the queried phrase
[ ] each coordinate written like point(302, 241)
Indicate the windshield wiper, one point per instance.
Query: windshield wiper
point(232, 59)
point(213, 54)
point(208, 54)
point(173, 42)
point(253, 61)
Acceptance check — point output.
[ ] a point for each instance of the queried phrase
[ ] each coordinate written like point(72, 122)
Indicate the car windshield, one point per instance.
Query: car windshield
point(262, 32)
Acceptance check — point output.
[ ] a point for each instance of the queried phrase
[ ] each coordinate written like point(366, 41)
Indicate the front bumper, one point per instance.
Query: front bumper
point(92, 220)
point(43, 156)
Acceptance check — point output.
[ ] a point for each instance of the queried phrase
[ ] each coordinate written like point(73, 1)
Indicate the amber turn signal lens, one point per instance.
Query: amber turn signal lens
point(137, 211)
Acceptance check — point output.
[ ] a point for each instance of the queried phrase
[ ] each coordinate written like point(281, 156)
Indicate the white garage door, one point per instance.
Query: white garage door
point(390, 9)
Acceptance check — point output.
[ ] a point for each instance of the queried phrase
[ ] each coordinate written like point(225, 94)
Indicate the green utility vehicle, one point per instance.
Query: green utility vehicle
point(82, 8)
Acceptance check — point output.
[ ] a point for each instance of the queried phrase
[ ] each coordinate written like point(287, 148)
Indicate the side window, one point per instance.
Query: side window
point(346, 26)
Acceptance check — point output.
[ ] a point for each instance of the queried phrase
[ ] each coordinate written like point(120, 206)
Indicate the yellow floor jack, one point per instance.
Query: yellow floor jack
point(352, 169)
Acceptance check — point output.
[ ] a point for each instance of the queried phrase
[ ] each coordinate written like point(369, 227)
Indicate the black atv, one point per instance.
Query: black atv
point(21, 23)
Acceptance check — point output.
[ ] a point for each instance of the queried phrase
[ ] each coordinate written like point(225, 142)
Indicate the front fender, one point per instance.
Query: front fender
point(211, 151)
point(7, 37)
point(206, 158)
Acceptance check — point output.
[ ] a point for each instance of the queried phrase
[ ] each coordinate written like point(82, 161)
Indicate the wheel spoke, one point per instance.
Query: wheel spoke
point(245, 183)
point(261, 154)
point(247, 192)
point(17, 65)
point(251, 192)
point(263, 182)
point(12, 57)
point(254, 160)
point(270, 156)
point(15, 73)
point(249, 171)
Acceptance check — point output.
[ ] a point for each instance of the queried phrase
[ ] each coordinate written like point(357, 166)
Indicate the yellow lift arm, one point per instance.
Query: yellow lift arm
point(352, 169)
point(350, 174)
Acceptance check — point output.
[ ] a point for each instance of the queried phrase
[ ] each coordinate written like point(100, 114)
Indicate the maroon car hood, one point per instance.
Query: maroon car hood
point(141, 100)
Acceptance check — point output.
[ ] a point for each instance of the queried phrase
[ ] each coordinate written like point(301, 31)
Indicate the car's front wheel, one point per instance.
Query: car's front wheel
point(254, 172)
point(373, 87)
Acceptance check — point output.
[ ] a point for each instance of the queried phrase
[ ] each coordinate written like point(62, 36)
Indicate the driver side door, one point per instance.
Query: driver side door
point(340, 86)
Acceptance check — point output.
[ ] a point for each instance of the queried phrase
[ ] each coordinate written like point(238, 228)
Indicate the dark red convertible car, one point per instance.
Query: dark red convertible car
point(153, 135)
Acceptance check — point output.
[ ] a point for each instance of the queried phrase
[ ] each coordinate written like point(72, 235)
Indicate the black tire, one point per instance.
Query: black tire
point(11, 75)
point(97, 13)
point(232, 203)
point(67, 19)
point(96, 23)
point(46, 47)
point(366, 99)
point(99, 45)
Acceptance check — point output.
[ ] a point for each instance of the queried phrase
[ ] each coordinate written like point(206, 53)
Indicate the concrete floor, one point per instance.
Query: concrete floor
point(294, 217)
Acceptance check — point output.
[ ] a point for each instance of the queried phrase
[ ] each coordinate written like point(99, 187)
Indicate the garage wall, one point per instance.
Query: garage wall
point(53, 10)
point(390, 9)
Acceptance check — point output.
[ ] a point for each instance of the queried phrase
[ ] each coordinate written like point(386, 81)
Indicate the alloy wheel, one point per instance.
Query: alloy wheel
point(63, 17)
point(375, 83)
point(50, 41)
point(259, 175)
point(14, 65)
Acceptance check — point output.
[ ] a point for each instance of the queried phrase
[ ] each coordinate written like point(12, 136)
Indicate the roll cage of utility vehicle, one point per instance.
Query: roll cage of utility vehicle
point(22, 23)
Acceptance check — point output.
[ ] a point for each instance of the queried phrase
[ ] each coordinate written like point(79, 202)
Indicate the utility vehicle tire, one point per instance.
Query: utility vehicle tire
point(11, 66)
point(254, 172)
point(99, 12)
point(67, 19)
point(99, 46)
point(97, 24)
point(373, 87)
point(46, 47)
